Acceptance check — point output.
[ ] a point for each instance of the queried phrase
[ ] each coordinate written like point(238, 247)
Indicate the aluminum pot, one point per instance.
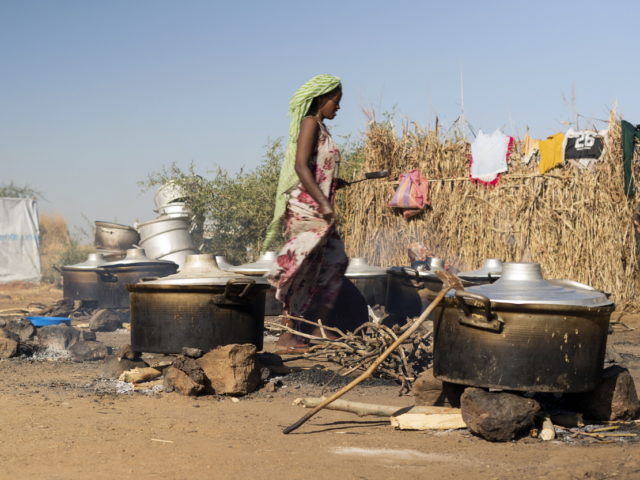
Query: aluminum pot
point(202, 307)
point(261, 267)
point(523, 333)
point(168, 193)
point(167, 238)
point(369, 280)
point(113, 236)
point(79, 281)
point(175, 209)
point(113, 277)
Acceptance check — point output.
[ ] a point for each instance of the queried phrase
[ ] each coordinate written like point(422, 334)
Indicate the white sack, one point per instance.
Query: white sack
point(19, 240)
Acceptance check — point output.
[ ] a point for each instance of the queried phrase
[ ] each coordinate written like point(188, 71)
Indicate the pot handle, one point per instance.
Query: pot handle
point(148, 279)
point(56, 268)
point(248, 283)
point(485, 321)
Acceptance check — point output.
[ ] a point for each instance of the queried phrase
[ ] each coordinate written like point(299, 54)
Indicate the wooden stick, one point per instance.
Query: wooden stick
point(428, 421)
point(362, 409)
point(449, 281)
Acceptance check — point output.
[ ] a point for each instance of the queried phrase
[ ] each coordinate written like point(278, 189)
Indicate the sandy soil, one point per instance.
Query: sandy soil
point(62, 420)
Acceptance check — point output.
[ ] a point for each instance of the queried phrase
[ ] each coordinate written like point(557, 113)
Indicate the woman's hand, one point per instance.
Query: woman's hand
point(327, 212)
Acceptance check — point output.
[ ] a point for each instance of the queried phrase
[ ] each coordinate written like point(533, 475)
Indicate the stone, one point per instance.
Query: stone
point(114, 366)
point(192, 352)
point(232, 369)
point(270, 387)
point(22, 328)
point(89, 336)
point(430, 391)
point(497, 416)
point(189, 366)
point(175, 380)
point(126, 352)
point(5, 333)
point(268, 359)
point(8, 347)
point(58, 337)
point(615, 397)
point(105, 320)
point(88, 351)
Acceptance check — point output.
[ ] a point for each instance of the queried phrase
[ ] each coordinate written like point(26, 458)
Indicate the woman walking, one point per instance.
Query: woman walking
point(311, 265)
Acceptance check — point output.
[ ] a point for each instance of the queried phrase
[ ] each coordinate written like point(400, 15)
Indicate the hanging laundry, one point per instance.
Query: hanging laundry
point(551, 153)
point(583, 147)
point(629, 135)
point(530, 148)
point(489, 155)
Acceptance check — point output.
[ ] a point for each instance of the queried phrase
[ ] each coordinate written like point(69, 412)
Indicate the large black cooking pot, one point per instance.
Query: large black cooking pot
point(113, 277)
point(261, 267)
point(201, 307)
point(79, 281)
point(523, 333)
point(410, 290)
point(371, 281)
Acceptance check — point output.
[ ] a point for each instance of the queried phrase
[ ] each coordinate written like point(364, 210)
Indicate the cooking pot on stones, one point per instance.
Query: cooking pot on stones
point(113, 277)
point(489, 272)
point(79, 281)
point(369, 280)
point(523, 333)
point(202, 307)
point(167, 238)
point(113, 236)
point(262, 267)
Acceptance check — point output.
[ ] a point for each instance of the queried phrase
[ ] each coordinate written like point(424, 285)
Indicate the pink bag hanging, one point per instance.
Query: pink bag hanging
point(411, 193)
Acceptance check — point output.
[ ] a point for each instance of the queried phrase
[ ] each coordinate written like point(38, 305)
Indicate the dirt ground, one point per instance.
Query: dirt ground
point(63, 420)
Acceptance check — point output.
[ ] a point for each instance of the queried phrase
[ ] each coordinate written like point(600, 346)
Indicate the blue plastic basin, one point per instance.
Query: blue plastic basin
point(45, 321)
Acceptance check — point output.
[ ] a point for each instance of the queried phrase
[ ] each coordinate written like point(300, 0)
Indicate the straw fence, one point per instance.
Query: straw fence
point(577, 224)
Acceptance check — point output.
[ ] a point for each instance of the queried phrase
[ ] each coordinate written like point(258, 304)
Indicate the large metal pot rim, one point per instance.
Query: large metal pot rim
point(118, 226)
point(182, 288)
point(535, 307)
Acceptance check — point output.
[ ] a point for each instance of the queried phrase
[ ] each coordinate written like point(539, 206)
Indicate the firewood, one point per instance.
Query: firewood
point(423, 421)
point(139, 375)
point(449, 281)
point(362, 409)
point(547, 432)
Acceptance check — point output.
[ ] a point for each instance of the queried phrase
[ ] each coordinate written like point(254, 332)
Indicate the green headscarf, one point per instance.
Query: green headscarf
point(298, 108)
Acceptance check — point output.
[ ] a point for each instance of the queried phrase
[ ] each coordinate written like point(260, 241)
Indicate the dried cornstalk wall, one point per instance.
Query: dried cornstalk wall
point(576, 224)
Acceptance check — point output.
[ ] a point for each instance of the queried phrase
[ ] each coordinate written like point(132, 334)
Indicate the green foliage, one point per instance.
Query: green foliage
point(14, 191)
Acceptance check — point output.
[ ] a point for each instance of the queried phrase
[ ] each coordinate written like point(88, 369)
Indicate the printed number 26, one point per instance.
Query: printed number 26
point(585, 140)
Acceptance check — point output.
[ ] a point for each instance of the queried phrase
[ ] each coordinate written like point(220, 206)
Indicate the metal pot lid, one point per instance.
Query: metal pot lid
point(101, 224)
point(93, 261)
point(223, 263)
point(263, 265)
point(421, 268)
point(492, 267)
point(135, 256)
point(202, 270)
point(358, 267)
point(523, 283)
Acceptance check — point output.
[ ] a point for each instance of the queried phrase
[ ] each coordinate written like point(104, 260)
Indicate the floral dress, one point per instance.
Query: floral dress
point(311, 265)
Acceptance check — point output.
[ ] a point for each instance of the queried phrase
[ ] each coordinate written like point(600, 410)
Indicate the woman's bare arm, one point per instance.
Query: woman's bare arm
point(306, 141)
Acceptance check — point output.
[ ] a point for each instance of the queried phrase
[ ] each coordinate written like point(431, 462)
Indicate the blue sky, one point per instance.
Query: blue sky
point(95, 95)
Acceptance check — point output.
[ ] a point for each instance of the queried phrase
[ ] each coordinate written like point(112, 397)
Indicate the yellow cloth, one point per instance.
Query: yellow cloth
point(551, 154)
point(530, 147)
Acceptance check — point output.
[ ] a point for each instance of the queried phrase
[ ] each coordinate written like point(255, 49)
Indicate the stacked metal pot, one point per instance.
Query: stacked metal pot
point(168, 237)
point(112, 240)
point(202, 307)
